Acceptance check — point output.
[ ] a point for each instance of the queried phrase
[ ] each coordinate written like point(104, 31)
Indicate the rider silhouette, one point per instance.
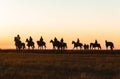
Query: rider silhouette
point(62, 40)
point(30, 39)
point(18, 37)
point(78, 41)
point(96, 42)
point(55, 39)
point(41, 39)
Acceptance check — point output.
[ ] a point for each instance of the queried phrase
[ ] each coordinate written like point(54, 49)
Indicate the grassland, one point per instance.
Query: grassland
point(53, 64)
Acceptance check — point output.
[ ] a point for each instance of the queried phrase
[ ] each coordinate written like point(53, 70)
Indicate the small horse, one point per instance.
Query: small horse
point(76, 45)
point(86, 46)
point(109, 44)
point(19, 45)
point(94, 45)
point(41, 44)
point(30, 44)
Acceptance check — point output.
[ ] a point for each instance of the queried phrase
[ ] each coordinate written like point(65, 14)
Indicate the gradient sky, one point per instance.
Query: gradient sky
point(71, 19)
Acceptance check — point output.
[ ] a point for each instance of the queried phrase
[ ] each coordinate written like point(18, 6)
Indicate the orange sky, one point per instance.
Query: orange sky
point(71, 19)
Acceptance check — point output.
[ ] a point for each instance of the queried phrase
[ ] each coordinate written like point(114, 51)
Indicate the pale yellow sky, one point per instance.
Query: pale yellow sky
point(71, 19)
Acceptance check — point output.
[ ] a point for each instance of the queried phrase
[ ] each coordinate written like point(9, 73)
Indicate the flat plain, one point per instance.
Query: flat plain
point(60, 64)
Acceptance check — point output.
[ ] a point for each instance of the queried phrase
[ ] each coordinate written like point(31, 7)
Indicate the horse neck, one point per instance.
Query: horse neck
point(52, 41)
point(73, 42)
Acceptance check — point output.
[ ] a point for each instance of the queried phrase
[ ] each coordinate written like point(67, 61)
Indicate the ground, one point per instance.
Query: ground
point(53, 64)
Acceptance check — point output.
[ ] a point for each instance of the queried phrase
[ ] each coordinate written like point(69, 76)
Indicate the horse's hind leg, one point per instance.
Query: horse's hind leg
point(111, 47)
point(45, 46)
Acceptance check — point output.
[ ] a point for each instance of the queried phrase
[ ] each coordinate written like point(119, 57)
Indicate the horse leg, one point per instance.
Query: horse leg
point(44, 46)
point(111, 47)
point(107, 47)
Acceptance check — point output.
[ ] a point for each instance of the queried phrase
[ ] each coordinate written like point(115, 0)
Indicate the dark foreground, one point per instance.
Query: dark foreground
point(53, 64)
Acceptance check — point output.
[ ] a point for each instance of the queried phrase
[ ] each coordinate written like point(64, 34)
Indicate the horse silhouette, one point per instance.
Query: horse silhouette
point(58, 45)
point(76, 45)
point(63, 45)
point(41, 44)
point(86, 46)
point(55, 45)
point(94, 45)
point(30, 44)
point(109, 44)
point(19, 45)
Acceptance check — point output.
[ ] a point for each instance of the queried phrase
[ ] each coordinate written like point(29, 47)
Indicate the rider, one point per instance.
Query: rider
point(30, 39)
point(78, 41)
point(55, 39)
point(62, 40)
point(41, 39)
point(96, 42)
point(18, 37)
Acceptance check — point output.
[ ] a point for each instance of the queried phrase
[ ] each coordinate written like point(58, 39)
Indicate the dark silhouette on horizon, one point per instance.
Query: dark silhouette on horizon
point(30, 43)
point(19, 45)
point(41, 43)
point(94, 45)
point(77, 44)
point(59, 44)
point(109, 44)
point(86, 46)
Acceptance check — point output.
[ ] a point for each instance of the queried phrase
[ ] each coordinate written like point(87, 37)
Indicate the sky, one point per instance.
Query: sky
point(69, 19)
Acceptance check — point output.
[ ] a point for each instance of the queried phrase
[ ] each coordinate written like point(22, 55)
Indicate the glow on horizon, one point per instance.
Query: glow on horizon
point(71, 19)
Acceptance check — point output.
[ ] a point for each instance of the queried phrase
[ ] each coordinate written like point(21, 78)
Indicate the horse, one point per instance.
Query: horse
point(109, 44)
point(19, 45)
point(64, 46)
point(30, 44)
point(94, 45)
point(53, 43)
point(86, 46)
point(76, 45)
point(41, 44)
point(59, 45)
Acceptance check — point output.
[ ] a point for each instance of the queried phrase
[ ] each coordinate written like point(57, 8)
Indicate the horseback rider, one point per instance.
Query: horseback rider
point(96, 42)
point(55, 39)
point(18, 37)
point(62, 40)
point(41, 39)
point(30, 39)
point(78, 41)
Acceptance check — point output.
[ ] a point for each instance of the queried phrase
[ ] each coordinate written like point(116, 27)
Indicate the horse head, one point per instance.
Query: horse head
point(27, 40)
point(105, 41)
point(51, 41)
point(73, 42)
